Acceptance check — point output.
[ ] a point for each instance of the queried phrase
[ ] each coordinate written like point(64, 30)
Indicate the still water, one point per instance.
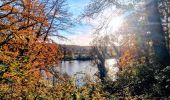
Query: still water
point(82, 69)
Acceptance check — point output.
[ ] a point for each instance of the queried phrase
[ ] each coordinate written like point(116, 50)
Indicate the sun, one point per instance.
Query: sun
point(115, 23)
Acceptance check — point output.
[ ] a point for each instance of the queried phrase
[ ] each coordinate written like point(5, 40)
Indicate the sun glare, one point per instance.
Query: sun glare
point(115, 23)
point(112, 25)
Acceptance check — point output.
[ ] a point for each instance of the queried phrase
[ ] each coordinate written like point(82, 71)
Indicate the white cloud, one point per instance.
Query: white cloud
point(82, 38)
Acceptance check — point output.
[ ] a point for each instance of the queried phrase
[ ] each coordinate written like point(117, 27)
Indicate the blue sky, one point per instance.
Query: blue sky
point(77, 6)
point(79, 34)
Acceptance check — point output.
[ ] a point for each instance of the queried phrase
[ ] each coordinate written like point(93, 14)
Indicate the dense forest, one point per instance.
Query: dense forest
point(141, 47)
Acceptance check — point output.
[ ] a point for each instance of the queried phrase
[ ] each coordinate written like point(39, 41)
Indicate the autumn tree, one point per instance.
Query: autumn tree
point(26, 52)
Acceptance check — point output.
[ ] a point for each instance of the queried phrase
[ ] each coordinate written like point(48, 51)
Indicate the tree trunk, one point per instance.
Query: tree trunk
point(157, 33)
point(102, 70)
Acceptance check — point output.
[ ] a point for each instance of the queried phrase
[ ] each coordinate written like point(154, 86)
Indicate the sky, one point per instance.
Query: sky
point(81, 34)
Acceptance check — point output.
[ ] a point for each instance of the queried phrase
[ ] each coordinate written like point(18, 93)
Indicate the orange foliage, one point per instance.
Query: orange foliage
point(22, 46)
point(129, 51)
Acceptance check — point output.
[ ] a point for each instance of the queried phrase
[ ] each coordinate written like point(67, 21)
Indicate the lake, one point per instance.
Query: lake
point(81, 69)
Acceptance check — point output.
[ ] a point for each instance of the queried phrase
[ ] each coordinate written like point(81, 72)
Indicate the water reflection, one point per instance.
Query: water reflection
point(81, 69)
point(111, 65)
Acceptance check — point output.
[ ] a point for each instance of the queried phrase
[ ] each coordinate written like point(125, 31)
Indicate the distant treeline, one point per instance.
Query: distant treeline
point(75, 52)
